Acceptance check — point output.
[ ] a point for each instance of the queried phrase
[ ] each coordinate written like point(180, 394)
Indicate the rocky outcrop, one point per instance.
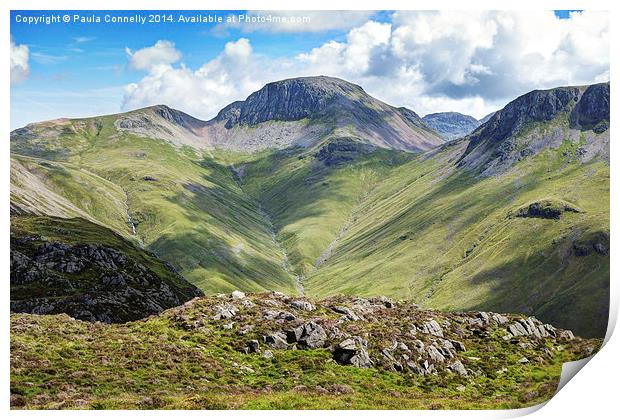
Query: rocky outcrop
point(90, 281)
point(342, 150)
point(592, 111)
point(546, 209)
point(373, 332)
point(595, 242)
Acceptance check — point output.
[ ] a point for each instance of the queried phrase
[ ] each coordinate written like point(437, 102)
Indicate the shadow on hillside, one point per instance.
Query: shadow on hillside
point(556, 286)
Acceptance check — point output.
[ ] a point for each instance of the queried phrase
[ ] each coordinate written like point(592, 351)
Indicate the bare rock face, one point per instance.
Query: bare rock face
point(288, 100)
point(592, 111)
point(334, 107)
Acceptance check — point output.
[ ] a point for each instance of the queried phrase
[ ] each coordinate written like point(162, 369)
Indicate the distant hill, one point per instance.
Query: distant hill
point(451, 125)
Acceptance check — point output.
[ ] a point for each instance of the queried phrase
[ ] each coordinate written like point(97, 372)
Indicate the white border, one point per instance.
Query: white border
point(593, 394)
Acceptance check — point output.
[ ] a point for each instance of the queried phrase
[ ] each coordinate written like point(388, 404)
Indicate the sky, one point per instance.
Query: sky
point(471, 62)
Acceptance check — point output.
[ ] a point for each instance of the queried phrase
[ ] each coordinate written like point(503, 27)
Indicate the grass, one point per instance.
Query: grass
point(169, 361)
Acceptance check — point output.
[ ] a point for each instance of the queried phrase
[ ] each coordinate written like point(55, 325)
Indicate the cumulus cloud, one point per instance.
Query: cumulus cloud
point(20, 69)
point(470, 62)
point(233, 74)
point(162, 53)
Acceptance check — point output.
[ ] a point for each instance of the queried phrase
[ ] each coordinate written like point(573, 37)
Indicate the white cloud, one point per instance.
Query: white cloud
point(162, 53)
point(82, 39)
point(233, 74)
point(470, 62)
point(20, 69)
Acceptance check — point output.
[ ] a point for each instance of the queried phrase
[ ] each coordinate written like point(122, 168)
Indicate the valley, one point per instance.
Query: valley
point(356, 197)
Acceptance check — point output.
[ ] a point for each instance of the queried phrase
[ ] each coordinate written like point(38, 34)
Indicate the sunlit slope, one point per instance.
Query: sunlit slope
point(62, 189)
point(312, 195)
point(447, 239)
point(186, 209)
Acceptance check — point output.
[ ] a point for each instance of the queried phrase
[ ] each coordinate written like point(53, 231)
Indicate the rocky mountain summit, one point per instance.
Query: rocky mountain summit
point(541, 119)
point(451, 125)
point(271, 350)
point(102, 278)
point(312, 108)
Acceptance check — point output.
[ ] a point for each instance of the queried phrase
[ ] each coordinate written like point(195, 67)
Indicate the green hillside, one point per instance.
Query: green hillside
point(186, 208)
point(512, 218)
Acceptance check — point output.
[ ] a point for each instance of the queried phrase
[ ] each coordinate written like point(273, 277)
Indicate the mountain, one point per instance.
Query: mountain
point(294, 112)
point(513, 217)
point(89, 272)
point(305, 110)
point(272, 351)
point(573, 116)
point(451, 125)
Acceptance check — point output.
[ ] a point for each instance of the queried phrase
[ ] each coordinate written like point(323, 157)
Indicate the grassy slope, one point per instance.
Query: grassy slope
point(443, 238)
point(309, 202)
point(192, 214)
point(67, 190)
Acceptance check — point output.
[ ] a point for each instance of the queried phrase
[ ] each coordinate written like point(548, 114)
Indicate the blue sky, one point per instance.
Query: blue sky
point(81, 69)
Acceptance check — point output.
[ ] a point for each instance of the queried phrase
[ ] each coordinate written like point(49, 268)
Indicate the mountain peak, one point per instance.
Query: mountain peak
point(451, 125)
point(579, 114)
point(289, 100)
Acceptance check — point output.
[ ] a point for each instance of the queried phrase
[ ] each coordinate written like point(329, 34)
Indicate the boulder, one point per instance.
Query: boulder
point(253, 346)
point(432, 327)
point(348, 313)
point(302, 305)
point(225, 311)
point(237, 295)
point(313, 336)
point(458, 368)
point(276, 340)
point(353, 351)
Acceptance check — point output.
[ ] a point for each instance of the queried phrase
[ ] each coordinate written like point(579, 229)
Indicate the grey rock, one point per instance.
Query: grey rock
point(225, 311)
point(353, 351)
point(458, 368)
point(253, 346)
point(237, 295)
point(435, 354)
point(432, 327)
point(349, 314)
point(302, 305)
point(276, 340)
point(313, 336)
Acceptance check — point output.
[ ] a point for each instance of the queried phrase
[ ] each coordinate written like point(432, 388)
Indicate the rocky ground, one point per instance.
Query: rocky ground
point(88, 272)
point(257, 351)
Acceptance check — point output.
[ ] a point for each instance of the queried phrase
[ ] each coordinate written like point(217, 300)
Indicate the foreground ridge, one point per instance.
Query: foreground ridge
point(270, 350)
